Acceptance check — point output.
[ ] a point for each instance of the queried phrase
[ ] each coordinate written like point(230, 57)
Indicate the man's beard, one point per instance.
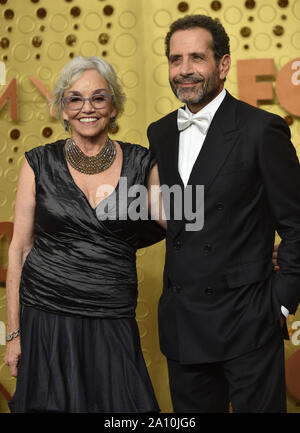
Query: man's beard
point(204, 94)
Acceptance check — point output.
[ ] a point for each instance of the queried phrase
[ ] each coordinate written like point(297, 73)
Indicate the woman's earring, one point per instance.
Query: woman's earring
point(66, 125)
point(112, 124)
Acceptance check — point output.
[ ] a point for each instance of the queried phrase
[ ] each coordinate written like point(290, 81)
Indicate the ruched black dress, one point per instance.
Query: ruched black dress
point(78, 293)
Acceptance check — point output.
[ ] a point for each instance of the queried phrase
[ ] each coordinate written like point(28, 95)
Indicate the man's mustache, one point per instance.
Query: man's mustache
point(188, 80)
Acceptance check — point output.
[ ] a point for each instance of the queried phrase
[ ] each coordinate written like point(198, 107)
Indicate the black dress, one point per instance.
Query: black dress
point(79, 339)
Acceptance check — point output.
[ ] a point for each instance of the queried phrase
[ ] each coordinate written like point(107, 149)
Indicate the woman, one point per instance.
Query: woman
point(72, 276)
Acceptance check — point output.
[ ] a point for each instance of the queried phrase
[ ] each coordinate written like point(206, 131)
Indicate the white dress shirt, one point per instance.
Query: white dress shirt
point(191, 141)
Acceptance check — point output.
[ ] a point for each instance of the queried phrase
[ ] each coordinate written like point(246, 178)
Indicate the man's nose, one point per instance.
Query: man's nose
point(186, 67)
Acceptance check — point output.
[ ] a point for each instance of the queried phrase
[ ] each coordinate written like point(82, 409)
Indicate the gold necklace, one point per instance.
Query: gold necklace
point(90, 164)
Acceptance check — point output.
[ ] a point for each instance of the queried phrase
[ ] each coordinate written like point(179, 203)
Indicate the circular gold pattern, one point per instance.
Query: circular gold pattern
point(9, 29)
point(37, 56)
point(15, 149)
point(41, 13)
point(15, 134)
point(250, 4)
point(104, 53)
point(71, 55)
point(279, 45)
point(71, 40)
point(10, 160)
point(251, 19)
point(9, 14)
point(3, 2)
point(283, 3)
point(245, 32)
point(183, 6)
point(278, 30)
point(75, 11)
point(4, 58)
point(47, 132)
point(108, 25)
point(289, 120)
point(42, 28)
point(216, 5)
point(37, 41)
point(283, 17)
point(4, 43)
point(76, 27)
point(246, 47)
point(103, 38)
point(34, 1)
point(108, 10)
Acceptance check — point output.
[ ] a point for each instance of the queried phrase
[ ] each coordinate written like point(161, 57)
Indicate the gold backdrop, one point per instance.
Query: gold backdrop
point(38, 37)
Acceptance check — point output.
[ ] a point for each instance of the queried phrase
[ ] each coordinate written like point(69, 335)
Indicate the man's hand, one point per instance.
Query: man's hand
point(281, 320)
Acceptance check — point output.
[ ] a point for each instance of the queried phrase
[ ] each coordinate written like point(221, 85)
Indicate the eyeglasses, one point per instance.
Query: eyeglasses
point(74, 102)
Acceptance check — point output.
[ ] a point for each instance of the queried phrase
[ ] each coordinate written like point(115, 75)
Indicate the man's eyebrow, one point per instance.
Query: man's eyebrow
point(173, 56)
point(194, 53)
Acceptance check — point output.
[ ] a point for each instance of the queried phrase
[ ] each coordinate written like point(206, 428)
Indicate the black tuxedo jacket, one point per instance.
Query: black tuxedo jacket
point(221, 297)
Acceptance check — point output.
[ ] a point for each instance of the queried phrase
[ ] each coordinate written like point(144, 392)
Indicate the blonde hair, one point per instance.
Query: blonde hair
point(75, 68)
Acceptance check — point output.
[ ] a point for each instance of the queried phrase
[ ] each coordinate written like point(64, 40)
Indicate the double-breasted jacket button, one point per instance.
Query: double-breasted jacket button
point(220, 206)
point(207, 248)
point(176, 289)
point(177, 244)
point(208, 291)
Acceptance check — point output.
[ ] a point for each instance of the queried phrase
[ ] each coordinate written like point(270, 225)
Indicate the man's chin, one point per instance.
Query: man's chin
point(189, 100)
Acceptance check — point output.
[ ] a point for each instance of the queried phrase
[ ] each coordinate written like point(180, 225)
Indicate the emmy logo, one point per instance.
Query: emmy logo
point(2, 74)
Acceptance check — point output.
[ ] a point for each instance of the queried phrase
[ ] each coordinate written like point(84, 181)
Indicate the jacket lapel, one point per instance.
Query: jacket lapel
point(220, 139)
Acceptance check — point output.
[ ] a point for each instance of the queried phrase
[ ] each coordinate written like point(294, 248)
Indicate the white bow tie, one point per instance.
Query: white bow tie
point(185, 119)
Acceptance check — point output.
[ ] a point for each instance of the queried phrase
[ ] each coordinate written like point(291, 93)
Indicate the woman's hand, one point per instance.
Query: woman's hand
point(274, 258)
point(12, 355)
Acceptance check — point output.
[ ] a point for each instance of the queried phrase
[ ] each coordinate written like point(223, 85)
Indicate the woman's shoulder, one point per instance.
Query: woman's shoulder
point(133, 149)
point(48, 147)
point(37, 156)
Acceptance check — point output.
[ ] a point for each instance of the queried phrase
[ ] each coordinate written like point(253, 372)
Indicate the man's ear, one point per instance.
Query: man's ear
point(224, 66)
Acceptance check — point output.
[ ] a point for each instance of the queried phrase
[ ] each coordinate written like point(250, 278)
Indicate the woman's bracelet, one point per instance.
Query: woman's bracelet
point(12, 335)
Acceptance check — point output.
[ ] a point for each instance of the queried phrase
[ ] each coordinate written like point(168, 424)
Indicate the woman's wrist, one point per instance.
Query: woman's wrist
point(11, 335)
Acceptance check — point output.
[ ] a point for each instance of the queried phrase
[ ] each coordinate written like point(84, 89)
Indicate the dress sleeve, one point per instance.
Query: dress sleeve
point(35, 158)
point(147, 161)
point(149, 232)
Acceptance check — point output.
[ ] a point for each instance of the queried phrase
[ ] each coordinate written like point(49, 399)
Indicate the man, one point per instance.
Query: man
point(222, 311)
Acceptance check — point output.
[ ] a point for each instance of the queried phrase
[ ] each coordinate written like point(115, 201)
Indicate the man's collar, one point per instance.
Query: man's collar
point(212, 106)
